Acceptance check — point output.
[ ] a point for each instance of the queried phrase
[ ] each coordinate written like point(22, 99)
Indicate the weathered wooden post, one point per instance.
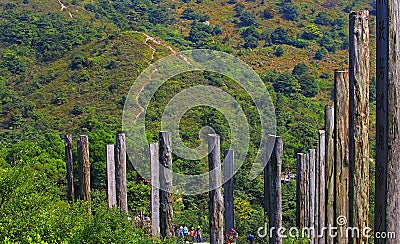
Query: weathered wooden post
point(111, 184)
point(84, 168)
point(70, 168)
point(341, 100)
point(317, 175)
point(274, 190)
point(387, 187)
point(216, 201)
point(307, 191)
point(359, 122)
point(321, 188)
point(228, 189)
point(155, 189)
point(120, 164)
point(166, 201)
point(300, 204)
point(311, 165)
point(329, 170)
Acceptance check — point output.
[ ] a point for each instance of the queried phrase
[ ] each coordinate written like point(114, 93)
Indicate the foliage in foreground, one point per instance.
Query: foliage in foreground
point(31, 212)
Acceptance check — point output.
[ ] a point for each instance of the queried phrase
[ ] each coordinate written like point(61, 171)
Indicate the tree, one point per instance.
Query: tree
point(323, 18)
point(248, 18)
point(286, 84)
point(280, 36)
point(290, 12)
point(279, 51)
point(308, 84)
point(300, 69)
point(321, 53)
point(312, 32)
point(250, 42)
point(268, 13)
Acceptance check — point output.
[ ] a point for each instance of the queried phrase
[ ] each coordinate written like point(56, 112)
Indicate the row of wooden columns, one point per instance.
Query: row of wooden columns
point(342, 179)
point(116, 174)
point(221, 208)
point(84, 168)
point(116, 171)
point(340, 187)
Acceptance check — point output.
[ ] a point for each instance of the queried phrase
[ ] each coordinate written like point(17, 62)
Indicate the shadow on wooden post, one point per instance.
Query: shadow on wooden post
point(166, 201)
point(216, 201)
point(120, 164)
point(70, 168)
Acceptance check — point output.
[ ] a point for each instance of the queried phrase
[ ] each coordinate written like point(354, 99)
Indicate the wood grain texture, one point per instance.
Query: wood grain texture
point(342, 120)
point(216, 201)
point(321, 186)
point(274, 190)
point(359, 122)
point(111, 183)
point(155, 190)
point(300, 198)
point(393, 165)
point(166, 200)
point(120, 165)
point(387, 194)
point(84, 168)
point(228, 189)
point(70, 168)
point(311, 175)
point(330, 169)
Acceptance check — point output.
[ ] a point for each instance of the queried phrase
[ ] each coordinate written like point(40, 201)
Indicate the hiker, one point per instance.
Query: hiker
point(192, 233)
point(198, 234)
point(180, 232)
point(250, 239)
point(185, 232)
point(233, 233)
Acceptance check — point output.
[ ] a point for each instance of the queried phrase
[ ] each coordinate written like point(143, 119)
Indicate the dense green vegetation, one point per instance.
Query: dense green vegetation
point(69, 71)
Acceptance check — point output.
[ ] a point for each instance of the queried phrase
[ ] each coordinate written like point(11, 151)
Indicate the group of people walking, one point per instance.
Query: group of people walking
point(184, 232)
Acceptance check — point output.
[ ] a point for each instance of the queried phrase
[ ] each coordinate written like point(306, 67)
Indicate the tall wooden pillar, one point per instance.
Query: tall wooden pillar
point(330, 170)
point(228, 189)
point(155, 189)
point(300, 191)
point(321, 187)
point(111, 184)
point(272, 179)
point(341, 100)
point(216, 201)
point(387, 189)
point(70, 168)
point(359, 122)
point(84, 168)
point(311, 163)
point(120, 164)
point(166, 201)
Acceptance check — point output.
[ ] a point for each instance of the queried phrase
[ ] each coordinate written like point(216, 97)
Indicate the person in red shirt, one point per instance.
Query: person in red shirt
point(192, 233)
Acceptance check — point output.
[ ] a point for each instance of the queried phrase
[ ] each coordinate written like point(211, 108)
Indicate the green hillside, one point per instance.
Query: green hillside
point(67, 67)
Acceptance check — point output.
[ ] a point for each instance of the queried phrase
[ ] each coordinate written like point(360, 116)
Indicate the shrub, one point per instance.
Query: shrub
point(321, 53)
point(248, 18)
point(279, 51)
point(323, 18)
point(280, 36)
point(308, 84)
point(290, 12)
point(268, 13)
point(286, 83)
point(312, 32)
point(300, 69)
